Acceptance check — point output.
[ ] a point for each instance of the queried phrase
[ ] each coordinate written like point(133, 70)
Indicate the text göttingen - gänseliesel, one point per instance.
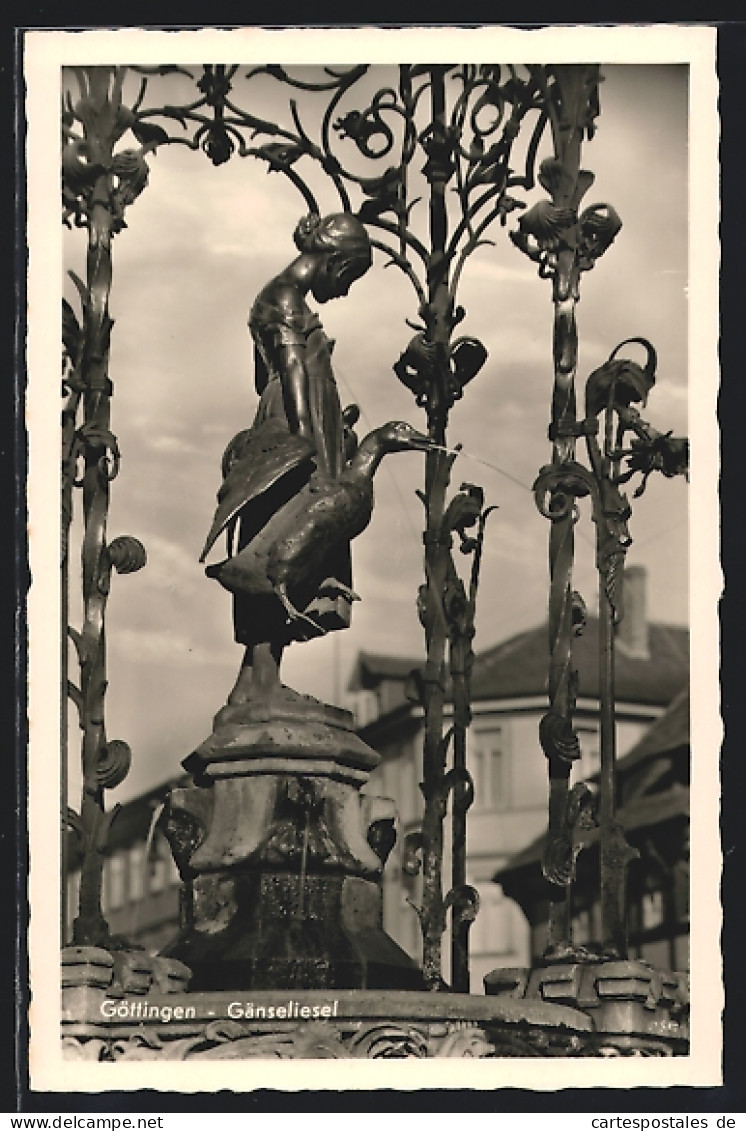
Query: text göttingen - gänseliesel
point(139, 1010)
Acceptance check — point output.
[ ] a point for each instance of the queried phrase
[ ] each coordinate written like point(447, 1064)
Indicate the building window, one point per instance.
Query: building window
point(415, 774)
point(159, 866)
point(652, 910)
point(681, 891)
point(410, 930)
point(136, 868)
point(73, 896)
point(590, 754)
point(582, 928)
point(409, 797)
point(488, 764)
point(365, 708)
point(116, 877)
point(492, 930)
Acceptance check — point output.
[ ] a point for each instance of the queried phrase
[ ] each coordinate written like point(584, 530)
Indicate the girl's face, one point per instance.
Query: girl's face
point(335, 275)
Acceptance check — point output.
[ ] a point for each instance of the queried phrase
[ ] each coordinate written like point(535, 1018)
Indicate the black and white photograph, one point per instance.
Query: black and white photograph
point(376, 587)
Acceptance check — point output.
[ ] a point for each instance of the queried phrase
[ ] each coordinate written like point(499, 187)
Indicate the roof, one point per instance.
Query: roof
point(641, 813)
point(667, 733)
point(371, 668)
point(519, 666)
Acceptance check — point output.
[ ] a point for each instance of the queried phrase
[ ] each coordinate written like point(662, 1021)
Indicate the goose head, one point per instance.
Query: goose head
point(398, 436)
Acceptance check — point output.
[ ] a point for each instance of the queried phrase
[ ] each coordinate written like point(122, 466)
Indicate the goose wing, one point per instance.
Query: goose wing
point(265, 455)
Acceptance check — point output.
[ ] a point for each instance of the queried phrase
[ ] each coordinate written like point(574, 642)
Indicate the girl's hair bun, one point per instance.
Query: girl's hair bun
point(304, 236)
point(340, 232)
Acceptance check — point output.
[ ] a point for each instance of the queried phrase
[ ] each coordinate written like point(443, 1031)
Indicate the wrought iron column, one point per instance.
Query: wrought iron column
point(97, 185)
point(564, 243)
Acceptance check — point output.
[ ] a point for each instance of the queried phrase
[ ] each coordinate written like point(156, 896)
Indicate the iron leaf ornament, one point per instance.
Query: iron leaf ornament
point(611, 393)
point(552, 226)
point(564, 242)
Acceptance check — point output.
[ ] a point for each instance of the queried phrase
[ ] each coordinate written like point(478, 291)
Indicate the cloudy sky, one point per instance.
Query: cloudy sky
point(199, 244)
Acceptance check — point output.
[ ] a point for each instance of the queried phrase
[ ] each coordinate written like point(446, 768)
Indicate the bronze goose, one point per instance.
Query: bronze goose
point(288, 555)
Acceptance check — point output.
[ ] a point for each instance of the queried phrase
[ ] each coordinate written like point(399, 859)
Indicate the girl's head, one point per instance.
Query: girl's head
point(343, 247)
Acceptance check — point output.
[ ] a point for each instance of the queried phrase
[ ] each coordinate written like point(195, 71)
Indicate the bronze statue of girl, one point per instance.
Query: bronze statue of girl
point(294, 376)
point(299, 429)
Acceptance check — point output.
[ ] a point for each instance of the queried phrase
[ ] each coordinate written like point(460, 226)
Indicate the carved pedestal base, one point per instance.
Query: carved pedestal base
point(103, 1024)
point(636, 1009)
point(282, 855)
point(286, 931)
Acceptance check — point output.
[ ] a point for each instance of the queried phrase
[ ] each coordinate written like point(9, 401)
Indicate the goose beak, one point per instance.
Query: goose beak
point(421, 443)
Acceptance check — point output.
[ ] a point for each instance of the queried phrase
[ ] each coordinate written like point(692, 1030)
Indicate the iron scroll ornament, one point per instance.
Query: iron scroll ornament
point(611, 392)
point(468, 147)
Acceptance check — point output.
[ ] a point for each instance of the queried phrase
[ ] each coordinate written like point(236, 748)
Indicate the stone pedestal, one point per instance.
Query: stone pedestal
point(636, 1009)
point(104, 1023)
point(282, 855)
point(121, 1006)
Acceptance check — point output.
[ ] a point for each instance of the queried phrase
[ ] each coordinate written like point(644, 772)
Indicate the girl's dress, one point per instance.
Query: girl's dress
point(266, 465)
point(273, 326)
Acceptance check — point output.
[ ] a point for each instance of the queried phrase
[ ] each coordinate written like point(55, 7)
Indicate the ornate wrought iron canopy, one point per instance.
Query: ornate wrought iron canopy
point(434, 162)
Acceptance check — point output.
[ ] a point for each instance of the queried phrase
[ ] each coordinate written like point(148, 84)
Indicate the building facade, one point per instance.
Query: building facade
point(141, 885)
point(653, 806)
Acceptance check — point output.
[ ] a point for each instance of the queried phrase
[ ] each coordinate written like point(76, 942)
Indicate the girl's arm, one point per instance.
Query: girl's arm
point(295, 390)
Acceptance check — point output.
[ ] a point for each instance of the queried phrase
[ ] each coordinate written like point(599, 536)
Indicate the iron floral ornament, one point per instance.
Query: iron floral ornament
point(611, 392)
point(565, 243)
